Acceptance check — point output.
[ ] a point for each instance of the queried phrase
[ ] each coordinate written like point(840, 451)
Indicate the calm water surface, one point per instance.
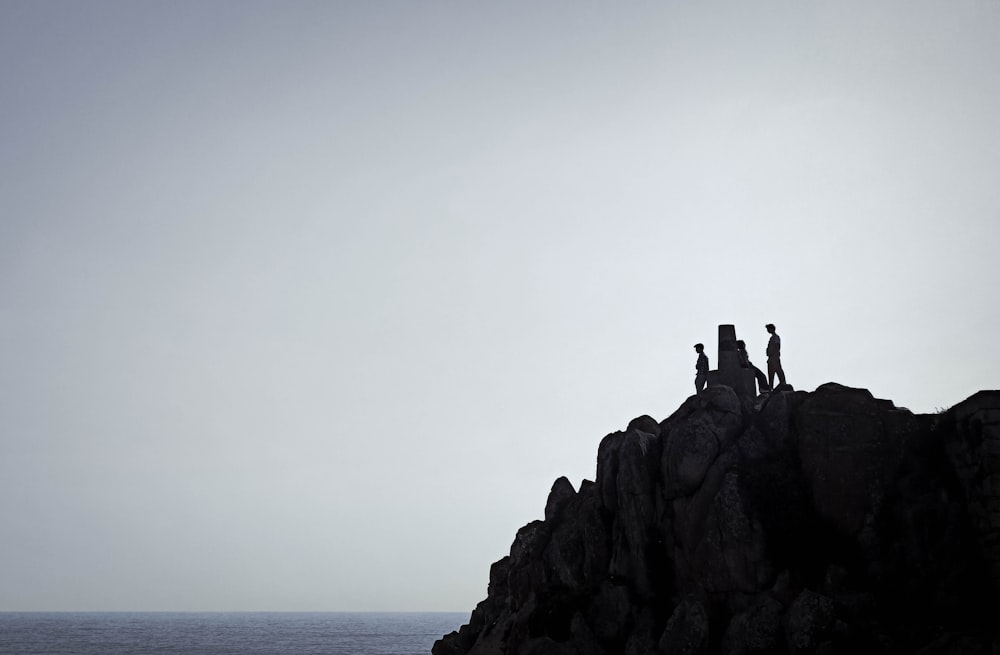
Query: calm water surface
point(121, 633)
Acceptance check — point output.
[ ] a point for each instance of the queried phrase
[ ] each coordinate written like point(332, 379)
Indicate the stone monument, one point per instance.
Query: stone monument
point(730, 373)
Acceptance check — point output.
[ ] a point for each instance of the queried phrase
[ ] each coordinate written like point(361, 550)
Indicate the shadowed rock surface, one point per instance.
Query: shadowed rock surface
point(823, 522)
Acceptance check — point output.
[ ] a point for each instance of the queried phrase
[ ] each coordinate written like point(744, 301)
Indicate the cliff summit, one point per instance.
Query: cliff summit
point(797, 522)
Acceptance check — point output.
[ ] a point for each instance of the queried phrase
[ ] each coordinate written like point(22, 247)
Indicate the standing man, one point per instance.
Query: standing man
point(774, 357)
point(700, 368)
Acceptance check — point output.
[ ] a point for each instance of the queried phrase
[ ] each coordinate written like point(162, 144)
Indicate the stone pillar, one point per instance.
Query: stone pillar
point(729, 373)
point(728, 358)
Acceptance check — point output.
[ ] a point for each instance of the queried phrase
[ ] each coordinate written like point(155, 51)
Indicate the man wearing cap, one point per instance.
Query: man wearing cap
point(700, 368)
point(774, 357)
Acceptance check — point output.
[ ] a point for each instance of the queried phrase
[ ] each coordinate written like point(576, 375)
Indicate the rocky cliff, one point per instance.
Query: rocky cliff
point(822, 522)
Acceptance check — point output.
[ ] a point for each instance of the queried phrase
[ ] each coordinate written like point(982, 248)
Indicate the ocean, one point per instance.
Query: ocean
point(219, 633)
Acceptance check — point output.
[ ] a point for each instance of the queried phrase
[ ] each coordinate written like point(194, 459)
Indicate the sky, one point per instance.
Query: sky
point(305, 305)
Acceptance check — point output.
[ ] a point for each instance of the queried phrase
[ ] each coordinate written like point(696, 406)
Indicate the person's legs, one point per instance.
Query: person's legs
point(772, 367)
point(780, 371)
point(761, 379)
point(699, 382)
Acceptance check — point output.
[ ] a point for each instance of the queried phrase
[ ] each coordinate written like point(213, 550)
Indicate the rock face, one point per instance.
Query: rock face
point(823, 522)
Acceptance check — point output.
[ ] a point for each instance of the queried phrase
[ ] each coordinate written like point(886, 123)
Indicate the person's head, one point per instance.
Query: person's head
point(741, 345)
point(769, 327)
point(699, 347)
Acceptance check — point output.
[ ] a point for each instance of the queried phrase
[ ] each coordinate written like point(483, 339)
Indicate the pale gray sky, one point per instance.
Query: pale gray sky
point(304, 306)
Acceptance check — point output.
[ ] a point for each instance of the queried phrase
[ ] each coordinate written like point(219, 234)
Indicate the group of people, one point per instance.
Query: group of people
point(773, 362)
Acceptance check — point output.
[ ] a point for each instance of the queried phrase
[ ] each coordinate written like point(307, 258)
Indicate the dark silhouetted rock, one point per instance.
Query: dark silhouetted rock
point(757, 630)
point(560, 495)
point(850, 445)
point(809, 622)
point(687, 632)
point(972, 440)
point(822, 522)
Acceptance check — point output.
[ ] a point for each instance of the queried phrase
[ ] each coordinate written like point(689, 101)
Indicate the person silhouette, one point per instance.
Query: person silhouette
point(774, 357)
point(700, 368)
point(741, 351)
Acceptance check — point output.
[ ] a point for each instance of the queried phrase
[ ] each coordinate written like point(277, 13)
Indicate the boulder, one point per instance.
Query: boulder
point(562, 492)
point(848, 453)
point(756, 631)
point(687, 632)
point(809, 622)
